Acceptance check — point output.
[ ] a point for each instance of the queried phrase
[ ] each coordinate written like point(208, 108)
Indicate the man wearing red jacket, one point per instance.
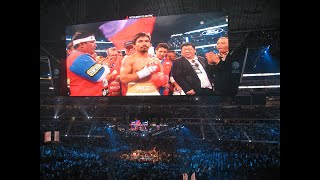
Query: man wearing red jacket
point(161, 54)
point(114, 63)
point(87, 77)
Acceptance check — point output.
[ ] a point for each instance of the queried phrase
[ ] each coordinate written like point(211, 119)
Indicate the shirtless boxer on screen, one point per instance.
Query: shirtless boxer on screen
point(142, 73)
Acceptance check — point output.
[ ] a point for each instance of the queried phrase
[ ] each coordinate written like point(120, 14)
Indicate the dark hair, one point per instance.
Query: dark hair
point(140, 34)
point(187, 44)
point(127, 44)
point(69, 46)
point(162, 45)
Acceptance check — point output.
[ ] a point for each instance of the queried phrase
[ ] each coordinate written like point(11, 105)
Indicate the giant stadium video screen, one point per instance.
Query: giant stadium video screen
point(116, 67)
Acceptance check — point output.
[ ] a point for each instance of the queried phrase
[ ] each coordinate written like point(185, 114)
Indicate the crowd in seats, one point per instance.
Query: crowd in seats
point(81, 158)
point(214, 141)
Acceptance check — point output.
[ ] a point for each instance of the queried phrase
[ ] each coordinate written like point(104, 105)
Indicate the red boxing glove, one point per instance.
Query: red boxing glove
point(159, 79)
point(114, 88)
point(151, 67)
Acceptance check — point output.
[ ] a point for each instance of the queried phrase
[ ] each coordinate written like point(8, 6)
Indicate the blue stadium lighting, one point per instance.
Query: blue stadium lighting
point(261, 74)
point(267, 49)
point(209, 45)
point(257, 87)
point(174, 35)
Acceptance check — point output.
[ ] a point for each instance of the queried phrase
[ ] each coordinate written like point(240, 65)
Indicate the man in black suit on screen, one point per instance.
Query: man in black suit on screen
point(220, 67)
point(191, 72)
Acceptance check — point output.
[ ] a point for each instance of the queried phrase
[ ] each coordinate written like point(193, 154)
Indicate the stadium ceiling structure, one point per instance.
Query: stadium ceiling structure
point(244, 16)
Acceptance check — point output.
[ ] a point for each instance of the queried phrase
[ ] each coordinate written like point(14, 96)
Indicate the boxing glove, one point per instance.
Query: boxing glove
point(150, 68)
point(159, 79)
point(114, 88)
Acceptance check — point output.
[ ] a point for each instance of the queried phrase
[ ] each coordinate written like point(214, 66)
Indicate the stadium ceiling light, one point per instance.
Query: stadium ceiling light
point(261, 74)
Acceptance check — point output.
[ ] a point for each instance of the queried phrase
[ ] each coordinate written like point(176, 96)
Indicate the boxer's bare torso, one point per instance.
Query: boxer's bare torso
point(142, 86)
